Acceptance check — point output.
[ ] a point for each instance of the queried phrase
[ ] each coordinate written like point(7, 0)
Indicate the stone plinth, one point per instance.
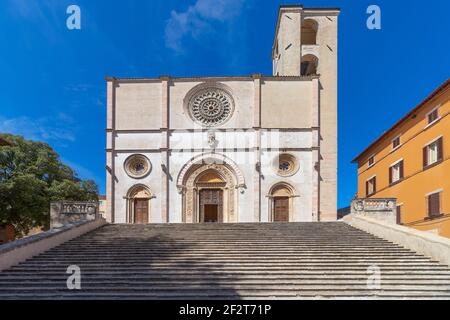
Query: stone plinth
point(382, 209)
point(63, 213)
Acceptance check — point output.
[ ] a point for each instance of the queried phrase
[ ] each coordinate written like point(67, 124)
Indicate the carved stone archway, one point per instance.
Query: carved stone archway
point(210, 158)
point(192, 187)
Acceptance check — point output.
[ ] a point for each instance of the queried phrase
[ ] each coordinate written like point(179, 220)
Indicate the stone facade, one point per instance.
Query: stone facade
point(266, 144)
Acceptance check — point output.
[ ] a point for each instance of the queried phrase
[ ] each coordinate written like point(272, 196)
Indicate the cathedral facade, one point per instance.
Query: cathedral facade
point(231, 149)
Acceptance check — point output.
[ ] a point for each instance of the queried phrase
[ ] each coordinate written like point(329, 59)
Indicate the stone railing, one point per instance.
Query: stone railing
point(384, 209)
point(67, 212)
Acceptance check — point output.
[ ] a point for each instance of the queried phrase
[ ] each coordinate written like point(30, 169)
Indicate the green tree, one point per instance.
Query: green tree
point(31, 176)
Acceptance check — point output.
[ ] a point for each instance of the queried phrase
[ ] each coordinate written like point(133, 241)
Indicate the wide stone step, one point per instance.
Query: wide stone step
point(229, 248)
point(217, 276)
point(196, 253)
point(133, 288)
point(212, 242)
point(174, 282)
point(228, 268)
point(228, 257)
point(298, 273)
point(225, 263)
point(233, 294)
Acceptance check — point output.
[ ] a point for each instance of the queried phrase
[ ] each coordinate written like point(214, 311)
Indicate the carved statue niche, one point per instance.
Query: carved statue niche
point(212, 142)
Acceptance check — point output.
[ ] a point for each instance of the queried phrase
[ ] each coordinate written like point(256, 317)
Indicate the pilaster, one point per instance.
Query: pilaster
point(164, 149)
point(257, 142)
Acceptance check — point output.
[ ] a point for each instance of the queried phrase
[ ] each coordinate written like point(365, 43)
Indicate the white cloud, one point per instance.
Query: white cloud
point(196, 20)
point(47, 129)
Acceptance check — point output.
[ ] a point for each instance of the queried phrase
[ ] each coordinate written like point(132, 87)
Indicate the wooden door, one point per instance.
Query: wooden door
point(281, 209)
point(211, 213)
point(211, 204)
point(141, 211)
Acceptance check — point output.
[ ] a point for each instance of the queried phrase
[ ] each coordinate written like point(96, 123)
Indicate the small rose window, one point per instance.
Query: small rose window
point(137, 166)
point(286, 165)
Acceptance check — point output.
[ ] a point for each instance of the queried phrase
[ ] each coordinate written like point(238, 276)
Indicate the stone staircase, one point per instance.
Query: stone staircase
point(227, 261)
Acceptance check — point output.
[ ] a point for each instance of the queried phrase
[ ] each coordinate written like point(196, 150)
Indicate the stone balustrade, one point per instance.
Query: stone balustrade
point(63, 213)
point(383, 209)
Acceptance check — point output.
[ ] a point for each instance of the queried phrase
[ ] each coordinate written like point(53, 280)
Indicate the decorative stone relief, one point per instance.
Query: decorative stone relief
point(66, 212)
point(383, 209)
point(212, 142)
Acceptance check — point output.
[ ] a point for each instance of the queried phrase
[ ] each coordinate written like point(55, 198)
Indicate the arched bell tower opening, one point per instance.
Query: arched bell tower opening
point(309, 65)
point(309, 32)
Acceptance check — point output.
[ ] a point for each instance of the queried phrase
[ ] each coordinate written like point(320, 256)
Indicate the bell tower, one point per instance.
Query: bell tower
point(305, 44)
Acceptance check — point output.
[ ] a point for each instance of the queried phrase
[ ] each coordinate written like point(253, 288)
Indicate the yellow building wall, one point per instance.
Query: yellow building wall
point(417, 183)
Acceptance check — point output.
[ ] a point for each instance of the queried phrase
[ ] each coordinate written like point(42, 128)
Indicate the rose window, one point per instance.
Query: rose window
point(211, 107)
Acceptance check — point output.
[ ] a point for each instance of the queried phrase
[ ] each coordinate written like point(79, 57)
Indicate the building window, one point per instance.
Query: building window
point(433, 153)
point(433, 116)
point(396, 142)
point(434, 204)
point(371, 186)
point(371, 161)
point(396, 172)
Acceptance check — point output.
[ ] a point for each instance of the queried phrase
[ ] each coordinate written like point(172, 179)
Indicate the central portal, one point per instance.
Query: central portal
point(211, 205)
point(209, 191)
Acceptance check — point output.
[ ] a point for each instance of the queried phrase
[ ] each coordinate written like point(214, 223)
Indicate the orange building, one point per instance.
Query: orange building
point(410, 162)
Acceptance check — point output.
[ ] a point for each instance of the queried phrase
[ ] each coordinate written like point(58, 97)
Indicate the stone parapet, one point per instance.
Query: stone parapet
point(63, 213)
point(15, 252)
point(436, 247)
point(382, 209)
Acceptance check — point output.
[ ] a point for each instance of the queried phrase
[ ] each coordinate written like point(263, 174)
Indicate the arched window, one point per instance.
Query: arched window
point(309, 65)
point(309, 32)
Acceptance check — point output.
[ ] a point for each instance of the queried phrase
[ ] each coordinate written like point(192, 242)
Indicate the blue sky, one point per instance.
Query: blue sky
point(52, 84)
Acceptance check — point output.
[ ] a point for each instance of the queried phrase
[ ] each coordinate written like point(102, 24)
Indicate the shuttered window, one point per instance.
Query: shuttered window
point(371, 186)
point(396, 142)
point(433, 116)
point(434, 205)
point(433, 152)
point(396, 172)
